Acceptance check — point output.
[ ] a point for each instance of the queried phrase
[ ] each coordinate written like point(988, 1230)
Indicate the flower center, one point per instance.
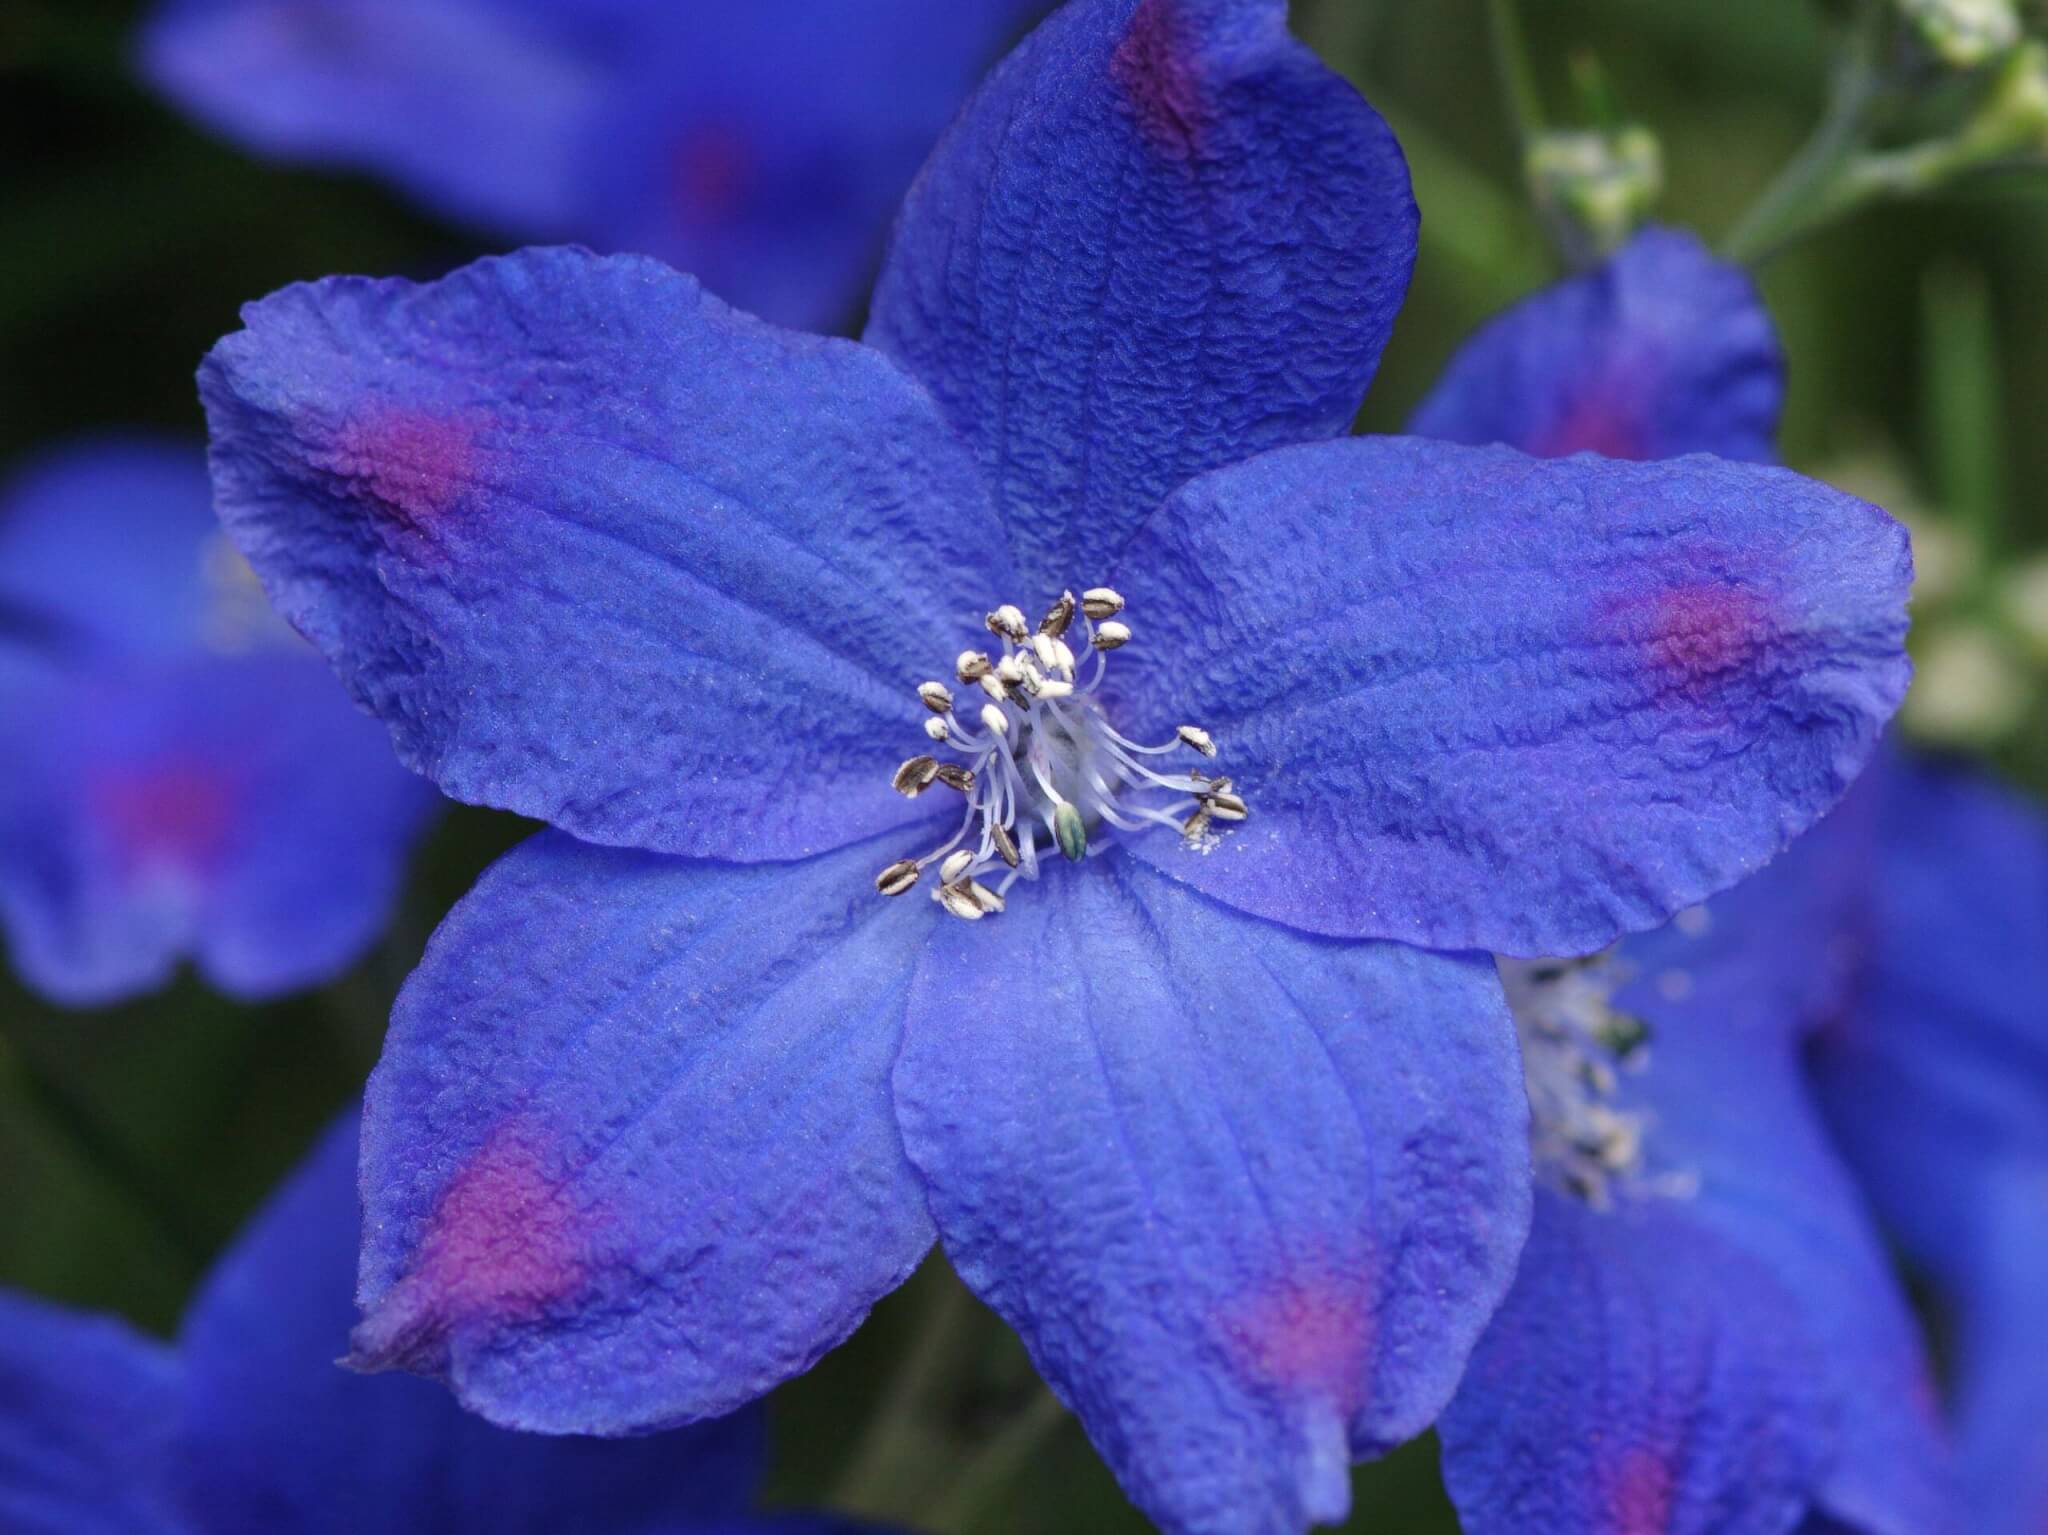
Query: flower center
point(1575, 1047)
point(1042, 756)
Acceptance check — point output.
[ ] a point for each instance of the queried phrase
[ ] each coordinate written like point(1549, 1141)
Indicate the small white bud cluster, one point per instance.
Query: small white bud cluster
point(1044, 757)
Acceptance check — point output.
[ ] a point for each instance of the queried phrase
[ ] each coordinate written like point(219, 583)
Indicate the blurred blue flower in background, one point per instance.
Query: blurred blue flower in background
point(246, 1425)
point(1934, 1074)
point(676, 1095)
point(1704, 1337)
point(178, 779)
point(760, 145)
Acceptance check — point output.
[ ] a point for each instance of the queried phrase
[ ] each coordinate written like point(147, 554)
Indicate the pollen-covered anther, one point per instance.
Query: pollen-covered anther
point(1100, 602)
point(1576, 1051)
point(1058, 617)
point(915, 776)
point(1008, 621)
point(898, 877)
point(1047, 772)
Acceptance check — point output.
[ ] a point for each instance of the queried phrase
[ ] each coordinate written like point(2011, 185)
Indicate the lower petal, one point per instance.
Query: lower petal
point(1247, 1195)
point(1643, 1378)
point(84, 1406)
point(629, 1159)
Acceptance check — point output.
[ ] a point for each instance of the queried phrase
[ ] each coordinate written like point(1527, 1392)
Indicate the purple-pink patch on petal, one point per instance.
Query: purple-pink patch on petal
point(170, 812)
point(1640, 1494)
point(1160, 74)
point(1703, 634)
point(505, 1242)
point(713, 167)
point(1311, 1333)
point(414, 464)
point(1594, 424)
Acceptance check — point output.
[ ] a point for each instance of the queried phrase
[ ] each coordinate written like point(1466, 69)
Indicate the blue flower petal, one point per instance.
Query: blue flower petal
point(235, 810)
point(477, 107)
point(277, 1437)
point(763, 147)
point(103, 549)
point(1641, 1377)
point(1940, 1070)
point(1481, 700)
point(629, 1159)
point(85, 1408)
point(2001, 1388)
point(603, 551)
point(1162, 237)
point(1729, 1107)
point(1248, 1196)
point(1659, 352)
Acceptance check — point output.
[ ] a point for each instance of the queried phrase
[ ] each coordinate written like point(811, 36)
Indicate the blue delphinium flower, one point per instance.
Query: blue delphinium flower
point(1188, 1061)
point(178, 779)
point(1704, 1337)
point(1935, 1078)
point(760, 145)
point(246, 1426)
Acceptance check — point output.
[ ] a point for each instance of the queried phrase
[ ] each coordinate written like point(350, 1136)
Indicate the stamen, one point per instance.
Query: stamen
point(1576, 1048)
point(1046, 764)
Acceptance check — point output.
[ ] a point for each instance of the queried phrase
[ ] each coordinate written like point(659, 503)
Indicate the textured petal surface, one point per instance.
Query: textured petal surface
point(1658, 352)
point(104, 548)
point(477, 106)
point(235, 811)
point(1477, 699)
point(1643, 1378)
point(279, 1437)
point(1162, 237)
point(603, 551)
point(1248, 1196)
point(629, 1159)
point(1729, 1109)
point(85, 1404)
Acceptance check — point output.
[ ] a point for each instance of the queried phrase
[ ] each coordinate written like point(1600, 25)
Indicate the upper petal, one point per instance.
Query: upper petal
point(1642, 1378)
point(629, 1159)
point(1478, 699)
point(277, 1437)
point(1658, 352)
point(85, 1405)
point(602, 551)
point(1160, 238)
point(233, 810)
point(1248, 1196)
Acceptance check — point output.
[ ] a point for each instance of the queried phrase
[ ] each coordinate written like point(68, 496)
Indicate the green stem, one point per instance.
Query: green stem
point(871, 1482)
point(994, 1466)
point(1517, 75)
point(1814, 187)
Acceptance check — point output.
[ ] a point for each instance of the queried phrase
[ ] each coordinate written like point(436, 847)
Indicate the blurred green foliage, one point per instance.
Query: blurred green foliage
point(133, 1142)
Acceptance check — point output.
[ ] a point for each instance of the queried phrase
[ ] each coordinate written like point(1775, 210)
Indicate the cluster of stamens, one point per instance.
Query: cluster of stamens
point(1042, 755)
point(1575, 1047)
